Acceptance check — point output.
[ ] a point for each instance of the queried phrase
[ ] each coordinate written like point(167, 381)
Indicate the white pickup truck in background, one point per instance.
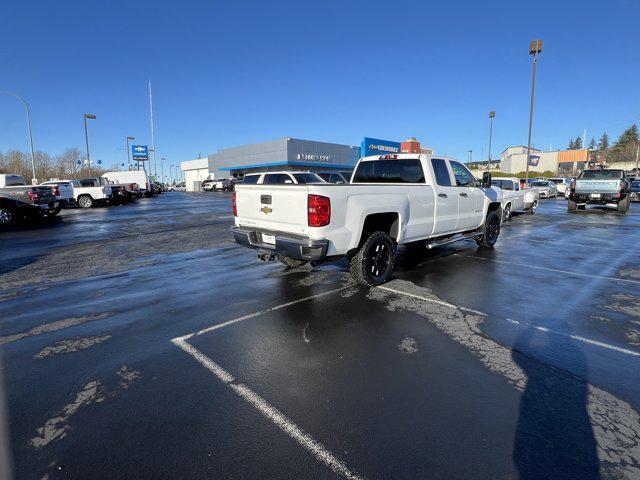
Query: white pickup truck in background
point(63, 190)
point(514, 198)
point(391, 200)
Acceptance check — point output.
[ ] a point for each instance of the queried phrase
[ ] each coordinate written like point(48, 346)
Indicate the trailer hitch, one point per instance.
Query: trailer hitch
point(266, 256)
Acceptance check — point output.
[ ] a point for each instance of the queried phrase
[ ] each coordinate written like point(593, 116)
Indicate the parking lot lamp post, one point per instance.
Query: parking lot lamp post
point(162, 159)
point(129, 153)
point(26, 109)
point(89, 116)
point(491, 117)
point(470, 155)
point(534, 49)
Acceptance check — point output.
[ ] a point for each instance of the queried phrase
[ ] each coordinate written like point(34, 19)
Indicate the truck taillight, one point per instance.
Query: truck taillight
point(319, 210)
point(235, 207)
point(573, 185)
point(33, 195)
point(56, 190)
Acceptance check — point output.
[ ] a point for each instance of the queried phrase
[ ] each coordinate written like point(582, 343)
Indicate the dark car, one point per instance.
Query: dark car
point(634, 195)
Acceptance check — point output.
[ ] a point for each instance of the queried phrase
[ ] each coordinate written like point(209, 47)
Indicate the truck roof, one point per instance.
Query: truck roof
point(402, 156)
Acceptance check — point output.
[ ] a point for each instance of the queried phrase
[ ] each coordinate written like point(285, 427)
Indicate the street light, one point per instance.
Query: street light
point(173, 177)
point(535, 47)
point(89, 116)
point(26, 108)
point(129, 152)
point(162, 159)
point(492, 115)
point(470, 155)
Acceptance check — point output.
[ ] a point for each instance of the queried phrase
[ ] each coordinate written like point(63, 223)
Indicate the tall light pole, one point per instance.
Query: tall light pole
point(129, 152)
point(470, 155)
point(89, 116)
point(26, 109)
point(534, 49)
point(173, 178)
point(492, 115)
point(153, 137)
point(162, 159)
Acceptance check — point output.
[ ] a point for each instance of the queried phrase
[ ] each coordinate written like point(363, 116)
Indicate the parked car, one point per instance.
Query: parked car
point(391, 200)
point(63, 190)
point(282, 178)
point(336, 176)
point(178, 187)
point(17, 199)
point(562, 184)
point(634, 194)
point(600, 187)
point(545, 188)
point(514, 198)
point(213, 185)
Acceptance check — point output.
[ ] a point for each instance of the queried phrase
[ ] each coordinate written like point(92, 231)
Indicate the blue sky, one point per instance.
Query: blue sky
point(236, 72)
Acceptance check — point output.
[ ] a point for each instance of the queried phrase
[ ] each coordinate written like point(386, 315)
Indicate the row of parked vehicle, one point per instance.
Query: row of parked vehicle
point(20, 200)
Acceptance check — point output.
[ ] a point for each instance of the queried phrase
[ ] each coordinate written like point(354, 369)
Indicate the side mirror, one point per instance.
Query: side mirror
point(486, 180)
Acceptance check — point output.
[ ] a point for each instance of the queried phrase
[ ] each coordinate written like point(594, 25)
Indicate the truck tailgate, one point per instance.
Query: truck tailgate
point(280, 208)
point(597, 186)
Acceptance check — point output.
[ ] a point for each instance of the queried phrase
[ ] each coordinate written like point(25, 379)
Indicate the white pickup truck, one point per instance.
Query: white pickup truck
point(391, 200)
point(514, 198)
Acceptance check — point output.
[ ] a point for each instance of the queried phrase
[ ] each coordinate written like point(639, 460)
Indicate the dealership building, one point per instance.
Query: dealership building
point(288, 154)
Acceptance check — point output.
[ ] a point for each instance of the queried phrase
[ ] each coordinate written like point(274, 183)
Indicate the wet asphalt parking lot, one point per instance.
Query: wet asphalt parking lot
point(139, 342)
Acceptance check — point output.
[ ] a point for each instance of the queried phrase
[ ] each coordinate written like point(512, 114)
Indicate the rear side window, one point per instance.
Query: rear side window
point(601, 175)
point(14, 181)
point(389, 171)
point(325, 176)
point(303, 178)
point(276, 179)
point(251, 179)
point(441, 172)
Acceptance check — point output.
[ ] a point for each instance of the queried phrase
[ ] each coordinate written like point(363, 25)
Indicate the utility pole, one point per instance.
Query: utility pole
point(26, 108)
point(129, 153)
point(89, 116)
point(534, 49)
point(470, 155)
point(637, 155)
point(492, 115)
point(162, 159)
point(153, 138)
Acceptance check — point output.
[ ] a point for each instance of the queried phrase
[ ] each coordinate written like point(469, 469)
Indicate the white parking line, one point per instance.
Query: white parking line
point(552, 269)
point(267, 410)
point(575, 337)
point(517, 322)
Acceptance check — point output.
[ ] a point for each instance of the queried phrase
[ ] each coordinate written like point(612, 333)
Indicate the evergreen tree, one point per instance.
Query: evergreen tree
point(603, 144)
point(577, 143)
point(624, 149)
point(628, 137)
point(571, 145)
point(592, 144)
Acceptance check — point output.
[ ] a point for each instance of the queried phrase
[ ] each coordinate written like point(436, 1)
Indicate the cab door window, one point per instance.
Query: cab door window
point(441, 172)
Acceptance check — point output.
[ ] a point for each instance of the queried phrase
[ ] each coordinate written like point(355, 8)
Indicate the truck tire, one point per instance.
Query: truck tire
point(53, 212)
point(571, 206)
point(532, 209)
point(7, 215)
point(290, 262)
point(623, 206)
point(506, 213)
point(374, 261)
point(85, 201)
point(491, 230)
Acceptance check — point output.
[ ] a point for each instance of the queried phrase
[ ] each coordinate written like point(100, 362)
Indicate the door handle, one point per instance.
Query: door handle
point(463, 194)
point(442, 195)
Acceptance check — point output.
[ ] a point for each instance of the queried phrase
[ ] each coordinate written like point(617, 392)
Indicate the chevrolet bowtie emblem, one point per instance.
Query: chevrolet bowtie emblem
point(266, 210)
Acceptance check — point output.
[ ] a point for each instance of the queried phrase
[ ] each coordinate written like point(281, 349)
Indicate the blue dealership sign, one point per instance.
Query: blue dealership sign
point(375, 146)
point(140, 153)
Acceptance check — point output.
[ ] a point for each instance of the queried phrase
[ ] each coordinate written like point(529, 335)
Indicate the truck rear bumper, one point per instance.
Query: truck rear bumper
point(287, 245)
point(598, 198)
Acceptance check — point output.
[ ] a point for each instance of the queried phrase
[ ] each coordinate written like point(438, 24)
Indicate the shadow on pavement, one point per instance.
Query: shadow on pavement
point(554, 438)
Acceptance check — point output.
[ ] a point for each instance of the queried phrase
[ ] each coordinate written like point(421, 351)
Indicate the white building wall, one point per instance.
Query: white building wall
point(517, 162)
point(195, 172)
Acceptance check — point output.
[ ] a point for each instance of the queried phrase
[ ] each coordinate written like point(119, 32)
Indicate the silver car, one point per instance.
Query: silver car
point(545, 188)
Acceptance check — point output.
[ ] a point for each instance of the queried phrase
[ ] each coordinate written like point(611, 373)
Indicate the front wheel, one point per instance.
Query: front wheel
point(7, 216)
point(491, 230)
point(506, 213)
point(572, 206)
point(532, 209)
point(373, 263)
point(290, 262)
